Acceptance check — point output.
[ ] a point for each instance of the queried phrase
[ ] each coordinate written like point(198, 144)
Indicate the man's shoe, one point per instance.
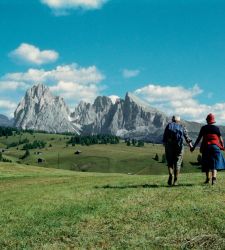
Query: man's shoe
point(170, 180)
point(207, 181)
point(213, 180)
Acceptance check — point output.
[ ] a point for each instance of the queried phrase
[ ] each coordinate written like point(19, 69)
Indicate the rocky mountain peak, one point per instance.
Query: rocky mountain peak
point(134, 100)
point(102, 103)
point(39, 91)
point(40, 110)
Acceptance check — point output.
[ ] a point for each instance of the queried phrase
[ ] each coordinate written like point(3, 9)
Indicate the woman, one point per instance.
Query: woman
point(212, 143)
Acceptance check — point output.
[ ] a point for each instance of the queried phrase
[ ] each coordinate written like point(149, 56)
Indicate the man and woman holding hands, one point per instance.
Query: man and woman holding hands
point(212, 144)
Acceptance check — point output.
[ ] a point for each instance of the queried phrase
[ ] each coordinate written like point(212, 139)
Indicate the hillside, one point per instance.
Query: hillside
point(110, 158)
point(56, 209)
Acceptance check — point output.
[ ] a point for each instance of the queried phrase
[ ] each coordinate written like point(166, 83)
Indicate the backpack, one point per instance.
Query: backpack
point(174, 134)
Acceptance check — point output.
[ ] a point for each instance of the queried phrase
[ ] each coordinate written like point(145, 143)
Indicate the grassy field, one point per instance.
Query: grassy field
point(45, 208)
point(109, 158)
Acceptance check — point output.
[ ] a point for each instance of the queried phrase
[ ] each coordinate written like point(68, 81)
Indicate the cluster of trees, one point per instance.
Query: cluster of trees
point(3, 159)
point(35, 144)
point(7, 131)
point(15, 144)
point(94, 139)
point(134, 142)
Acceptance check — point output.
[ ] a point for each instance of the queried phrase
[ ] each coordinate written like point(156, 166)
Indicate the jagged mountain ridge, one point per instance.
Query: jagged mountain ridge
point(126, 118)
point(129, 117)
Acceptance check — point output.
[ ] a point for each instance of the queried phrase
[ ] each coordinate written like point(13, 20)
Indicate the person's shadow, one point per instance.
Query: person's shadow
point(108, 186)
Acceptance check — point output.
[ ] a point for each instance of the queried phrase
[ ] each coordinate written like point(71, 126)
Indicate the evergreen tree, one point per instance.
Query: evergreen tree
point(134, 142)
point(156, 158)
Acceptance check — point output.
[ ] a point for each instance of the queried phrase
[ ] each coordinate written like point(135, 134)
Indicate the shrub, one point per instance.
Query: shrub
point(140, 144)
point(163, 158)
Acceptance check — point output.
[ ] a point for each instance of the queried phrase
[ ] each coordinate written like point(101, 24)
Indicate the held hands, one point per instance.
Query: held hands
point(191, 147)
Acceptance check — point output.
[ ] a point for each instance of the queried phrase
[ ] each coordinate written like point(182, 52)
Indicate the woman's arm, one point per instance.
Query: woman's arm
point(197, 141)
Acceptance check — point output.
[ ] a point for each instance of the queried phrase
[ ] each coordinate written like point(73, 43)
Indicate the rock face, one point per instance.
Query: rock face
point(40, 110)
point(126, 118)
point(129, 117)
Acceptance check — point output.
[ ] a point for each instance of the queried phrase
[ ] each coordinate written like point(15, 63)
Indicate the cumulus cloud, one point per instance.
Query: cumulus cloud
point(182, 101)
point(6, 104)
point(127, 73)
point(74, 91)
point(29, 54)
point(61, 7)
point(73, 82)
point(12, 85)
point(7, 107)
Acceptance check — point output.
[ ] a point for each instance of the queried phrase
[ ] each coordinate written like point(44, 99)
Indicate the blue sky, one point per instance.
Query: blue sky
point(169, 53)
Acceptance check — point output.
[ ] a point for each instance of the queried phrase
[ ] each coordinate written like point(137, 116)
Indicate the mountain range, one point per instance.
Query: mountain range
point(128, 118)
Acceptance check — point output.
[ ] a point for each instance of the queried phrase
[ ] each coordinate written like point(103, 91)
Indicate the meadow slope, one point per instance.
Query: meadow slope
point(44, 208)
point(110, 158)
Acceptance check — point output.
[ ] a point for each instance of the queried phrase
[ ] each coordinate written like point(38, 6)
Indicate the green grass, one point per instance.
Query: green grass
point(44, 208)
point(96, 158)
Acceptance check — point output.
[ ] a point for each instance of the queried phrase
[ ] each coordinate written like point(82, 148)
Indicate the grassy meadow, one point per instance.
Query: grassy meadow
point(115, 197)
point(110, 158)
point(43, 208)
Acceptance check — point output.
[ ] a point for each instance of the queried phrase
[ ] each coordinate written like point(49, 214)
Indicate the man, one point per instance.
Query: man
point(173, 139)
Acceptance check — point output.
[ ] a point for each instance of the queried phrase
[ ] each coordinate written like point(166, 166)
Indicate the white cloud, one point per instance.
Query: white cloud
point(76, 92)
point(157, 93)
point(61, 7)
point(7, 107)
point(182, 101)
point(30, 54)
point(12, 85)
point(73, 82)
point(127, 73)
point(6, 104)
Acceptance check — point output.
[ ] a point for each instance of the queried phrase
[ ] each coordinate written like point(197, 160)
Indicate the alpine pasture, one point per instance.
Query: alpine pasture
point(106, 197)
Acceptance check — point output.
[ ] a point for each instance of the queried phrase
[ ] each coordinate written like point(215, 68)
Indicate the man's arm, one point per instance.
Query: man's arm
point(186, 137)
point(165, 134)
